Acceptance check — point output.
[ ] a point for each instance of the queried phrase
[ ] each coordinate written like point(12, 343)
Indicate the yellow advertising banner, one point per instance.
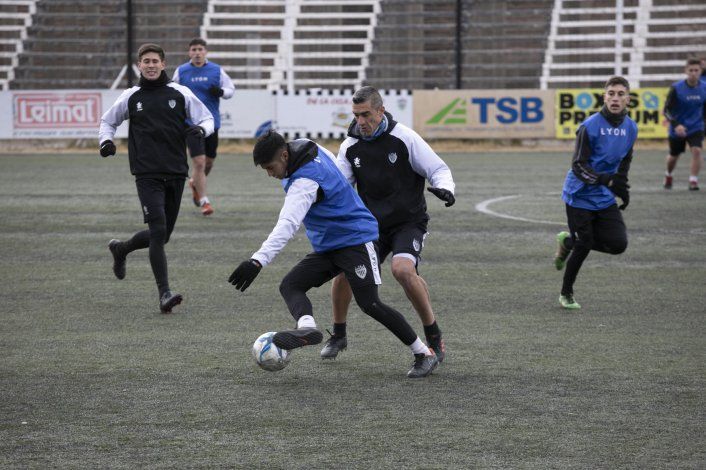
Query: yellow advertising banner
point(645, 108)
point(484, 114)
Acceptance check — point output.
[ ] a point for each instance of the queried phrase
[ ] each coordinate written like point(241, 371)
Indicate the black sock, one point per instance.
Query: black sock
point(432, 332)
point(339, 329)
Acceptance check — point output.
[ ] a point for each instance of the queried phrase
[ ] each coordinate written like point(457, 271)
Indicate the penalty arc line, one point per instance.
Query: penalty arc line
point(483, 208)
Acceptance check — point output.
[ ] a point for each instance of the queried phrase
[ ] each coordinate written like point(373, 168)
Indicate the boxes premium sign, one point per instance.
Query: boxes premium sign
point(484, 114)
point(573, 106)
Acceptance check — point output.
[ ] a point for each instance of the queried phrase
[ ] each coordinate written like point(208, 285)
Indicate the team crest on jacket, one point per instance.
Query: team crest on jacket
point(139, 105)
point(361, 271)
point(356, 162)
point(415, 244)
point(392, 157)
point(172, 103)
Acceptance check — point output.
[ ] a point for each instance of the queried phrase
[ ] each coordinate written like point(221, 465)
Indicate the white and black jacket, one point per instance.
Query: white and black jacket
point(390, 173)
point(157, 110)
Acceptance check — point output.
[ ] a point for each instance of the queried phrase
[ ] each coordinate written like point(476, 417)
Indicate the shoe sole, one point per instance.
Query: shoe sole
point(294, 339)
point(173, 302)
point(111, 246)
point(207, 213)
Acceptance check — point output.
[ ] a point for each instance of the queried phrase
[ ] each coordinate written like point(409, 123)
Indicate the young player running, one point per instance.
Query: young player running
point(599, 172)
point(157, 109)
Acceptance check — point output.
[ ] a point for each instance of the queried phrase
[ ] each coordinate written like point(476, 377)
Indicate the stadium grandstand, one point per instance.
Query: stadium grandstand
point(341, 44)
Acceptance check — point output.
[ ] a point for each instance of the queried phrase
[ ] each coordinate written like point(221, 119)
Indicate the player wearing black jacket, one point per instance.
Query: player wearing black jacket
point(157, 109)
point(390, 163)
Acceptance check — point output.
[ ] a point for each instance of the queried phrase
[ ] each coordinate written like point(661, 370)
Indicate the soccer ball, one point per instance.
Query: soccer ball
point(267, 355)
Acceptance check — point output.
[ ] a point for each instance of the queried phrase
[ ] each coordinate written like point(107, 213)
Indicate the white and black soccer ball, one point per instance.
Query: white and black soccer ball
point(267, 355)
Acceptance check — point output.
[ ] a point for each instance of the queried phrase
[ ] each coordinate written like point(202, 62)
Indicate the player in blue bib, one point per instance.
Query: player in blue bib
point(209, 83)
point(599, 173)
point(685, 108)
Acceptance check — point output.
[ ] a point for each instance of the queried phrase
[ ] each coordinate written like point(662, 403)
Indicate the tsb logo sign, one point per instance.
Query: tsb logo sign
point(56, 110)
point(491, 110)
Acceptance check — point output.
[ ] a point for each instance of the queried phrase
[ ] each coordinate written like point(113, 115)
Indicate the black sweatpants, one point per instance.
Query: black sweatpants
point(361, 268)
point(602, 230)
point(160, 199)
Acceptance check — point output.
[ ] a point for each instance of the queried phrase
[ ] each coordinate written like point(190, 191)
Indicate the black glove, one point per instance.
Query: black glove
point(444, 195)
point(107, 148)
point(617, 183)
point(216, 91)
point(626, 200)
point(195, 131)
point(245, 274)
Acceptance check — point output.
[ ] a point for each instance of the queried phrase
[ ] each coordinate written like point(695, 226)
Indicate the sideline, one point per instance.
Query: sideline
point(483, 207)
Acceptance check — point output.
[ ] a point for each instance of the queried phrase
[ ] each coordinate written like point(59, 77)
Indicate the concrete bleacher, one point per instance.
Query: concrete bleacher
point(15, 19)
point(291, 44)
point(502, 44)
point(650, 49)
point(335, 44)
point(82, 44)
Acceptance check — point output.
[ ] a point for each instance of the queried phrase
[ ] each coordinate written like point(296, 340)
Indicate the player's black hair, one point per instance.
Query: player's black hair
point(693, 61)
point(266, 147)
point(368, 93)
point(149, 47)
point(198, 42)
point(617, 81)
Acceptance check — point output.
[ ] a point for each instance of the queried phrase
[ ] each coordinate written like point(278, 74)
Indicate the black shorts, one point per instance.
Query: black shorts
point(405, 240)
point(600, 230)
point(207, 146)
point(160, 198)
point(677, 145)
point(359, 263)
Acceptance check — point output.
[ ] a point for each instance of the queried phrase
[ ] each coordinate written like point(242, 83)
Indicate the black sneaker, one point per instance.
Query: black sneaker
point(423, 366)
point(437, 344)
point(168, 301)
point(293, 339)
point(118, 258)
point(693, 185)
point(333, 346)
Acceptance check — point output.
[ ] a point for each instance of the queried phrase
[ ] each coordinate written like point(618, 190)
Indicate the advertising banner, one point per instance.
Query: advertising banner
point(45, 114)
point(329, 113)
point(645, 108)
point(247, 114)
point(484, 114)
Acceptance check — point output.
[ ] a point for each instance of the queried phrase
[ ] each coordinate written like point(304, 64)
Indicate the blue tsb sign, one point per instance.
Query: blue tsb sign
point(509, 110)
point(491, 110)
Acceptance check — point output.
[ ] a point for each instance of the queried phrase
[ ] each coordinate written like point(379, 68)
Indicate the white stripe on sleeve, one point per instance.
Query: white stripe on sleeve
point(227, 85)
point(300, 197)
point(115, 116)
point(342, 162)
point(424, 160)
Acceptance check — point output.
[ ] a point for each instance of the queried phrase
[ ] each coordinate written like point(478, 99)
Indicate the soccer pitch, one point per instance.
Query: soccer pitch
point(93, 376)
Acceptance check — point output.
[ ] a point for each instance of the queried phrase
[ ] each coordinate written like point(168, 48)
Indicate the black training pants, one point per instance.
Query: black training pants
point(360, 265)
point(160, 199)
point(602, 230)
